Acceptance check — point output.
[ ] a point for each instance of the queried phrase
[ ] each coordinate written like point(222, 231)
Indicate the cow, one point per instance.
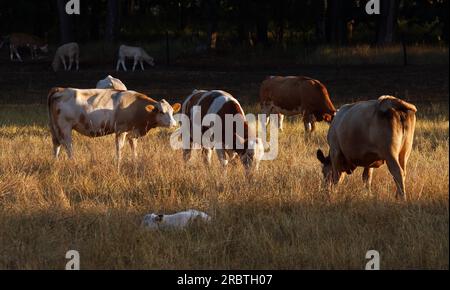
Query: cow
point(176, 220)
point(99, 112)
point(245, 144)
point(34, 43)
point(294, 95)
point(70, 50)
point(138, 54)
point(111, 83)
point(368, 134)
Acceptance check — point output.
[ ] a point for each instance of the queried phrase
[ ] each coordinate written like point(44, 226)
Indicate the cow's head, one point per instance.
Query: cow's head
point(44, 48)
point(150, 61)
point(153, 220)
point(253, 153)
point(326, 165)
point(164, 113)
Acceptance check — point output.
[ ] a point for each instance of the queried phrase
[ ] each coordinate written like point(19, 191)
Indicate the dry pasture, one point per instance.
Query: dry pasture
point(282, 219)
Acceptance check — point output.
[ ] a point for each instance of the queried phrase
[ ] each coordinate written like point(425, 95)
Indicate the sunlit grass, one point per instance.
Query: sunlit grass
point(281, 219)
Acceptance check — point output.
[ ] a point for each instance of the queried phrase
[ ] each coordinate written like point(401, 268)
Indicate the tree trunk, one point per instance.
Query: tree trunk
point(65, 25)
point(336, 22)
point(262, 23)
point(112, 21)
point(211, 23)
point(387, 21)
point(321, 19)
point(243, 23)
point(94, 23)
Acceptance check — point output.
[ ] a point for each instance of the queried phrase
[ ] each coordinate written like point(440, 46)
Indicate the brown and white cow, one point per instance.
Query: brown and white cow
point(100, 112)
point(243, 143)
point(34, 43)
point(368, 134)
point(293, 95)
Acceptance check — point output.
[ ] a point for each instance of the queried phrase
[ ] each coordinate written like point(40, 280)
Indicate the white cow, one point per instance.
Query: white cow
point(111, 83)
point(70, 50)
point(177, 220)
point(138, 54)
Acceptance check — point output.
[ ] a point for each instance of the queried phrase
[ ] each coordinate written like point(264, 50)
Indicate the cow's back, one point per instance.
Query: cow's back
point(296, 94)
point(364, 132)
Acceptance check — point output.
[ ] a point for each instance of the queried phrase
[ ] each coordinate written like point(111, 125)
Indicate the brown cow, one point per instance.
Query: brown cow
point(100, 112)
point(293, 95)
point(34, 43)
point(367, 134)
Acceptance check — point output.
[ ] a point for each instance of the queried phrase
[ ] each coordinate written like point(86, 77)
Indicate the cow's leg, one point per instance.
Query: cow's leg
point(207, 154)
point(77, 62)
point(16, 52)
point(11, 52)
point(142, 65)
point(66, 139)
point(280, 121)
point(367, 177)
point(399, 176)
point(135, 63)
point(308, 122)
point(55, 141)
point(266, 111)
point(118, 65)
point(187, 154)
point(70, 63)
point(222, 155)
point(133, 144)
point(123, 64)
point(63, 60)
point(120, 142)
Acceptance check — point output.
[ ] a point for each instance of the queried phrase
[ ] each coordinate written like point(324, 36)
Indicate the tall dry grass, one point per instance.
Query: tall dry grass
point(282, 219)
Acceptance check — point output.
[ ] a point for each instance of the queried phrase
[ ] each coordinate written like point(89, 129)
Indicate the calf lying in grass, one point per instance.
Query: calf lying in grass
point(177, 220)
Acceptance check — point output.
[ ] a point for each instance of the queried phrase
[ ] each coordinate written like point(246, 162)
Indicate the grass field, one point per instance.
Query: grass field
point(281, 219)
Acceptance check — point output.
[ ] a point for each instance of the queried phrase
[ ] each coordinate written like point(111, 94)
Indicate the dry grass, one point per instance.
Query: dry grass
point(279, 220)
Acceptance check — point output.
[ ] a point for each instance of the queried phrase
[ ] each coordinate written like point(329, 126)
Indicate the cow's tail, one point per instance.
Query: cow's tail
point(51, 114)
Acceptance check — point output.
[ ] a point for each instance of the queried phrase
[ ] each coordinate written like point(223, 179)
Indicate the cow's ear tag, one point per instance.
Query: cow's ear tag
point(150, 108)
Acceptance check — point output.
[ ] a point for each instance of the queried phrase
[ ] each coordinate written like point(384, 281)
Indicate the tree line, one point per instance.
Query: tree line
point(249, 23)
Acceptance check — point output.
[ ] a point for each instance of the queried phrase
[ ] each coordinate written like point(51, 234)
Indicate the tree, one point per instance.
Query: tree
point(387, 21)
point(65, 23)
point(112, 20)
point(336, 24)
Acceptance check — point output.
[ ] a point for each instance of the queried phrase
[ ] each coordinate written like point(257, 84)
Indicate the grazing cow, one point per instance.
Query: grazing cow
point(138, 54)
point(70, 50)
point(177, 220)
point(244, 144)
point(367, 134)
point(100, 112)
point(34, 43)
point(111, 83)
point(294, 95)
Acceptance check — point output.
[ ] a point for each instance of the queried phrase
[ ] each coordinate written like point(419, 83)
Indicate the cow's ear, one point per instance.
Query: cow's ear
point(321, 157)
point(159, 218)
point(150, 108)
point(176, 107)
point(328, 118)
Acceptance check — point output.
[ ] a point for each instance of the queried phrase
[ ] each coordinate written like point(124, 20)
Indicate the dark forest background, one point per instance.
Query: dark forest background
point(230, 23)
